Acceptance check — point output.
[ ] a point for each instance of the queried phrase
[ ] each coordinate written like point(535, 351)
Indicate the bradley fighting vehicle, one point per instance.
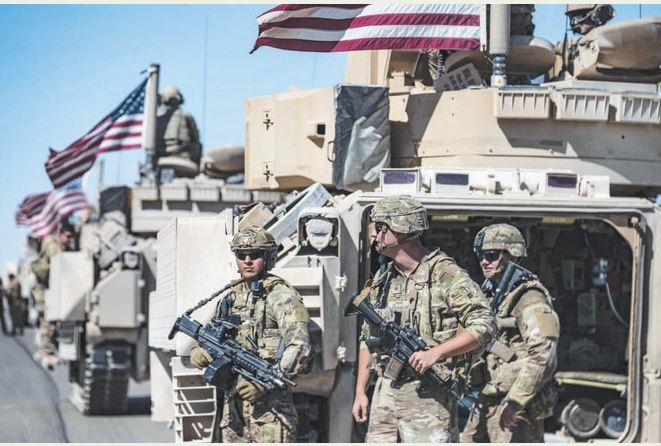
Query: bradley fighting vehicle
point(572, 160)
point(99, 294)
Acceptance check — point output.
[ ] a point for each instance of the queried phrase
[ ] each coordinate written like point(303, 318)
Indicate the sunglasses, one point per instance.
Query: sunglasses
point(489, 256)
point(254, 255)
point(379, 225)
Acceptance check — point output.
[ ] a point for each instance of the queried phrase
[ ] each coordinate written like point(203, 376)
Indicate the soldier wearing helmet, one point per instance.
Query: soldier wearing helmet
point(583, 18)
point(271, 310)
point(519, 391)
point(176, 131)
point(423, 288)
point(51, 245)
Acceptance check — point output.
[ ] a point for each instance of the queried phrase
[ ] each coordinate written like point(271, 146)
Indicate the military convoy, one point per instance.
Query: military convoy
point(571, 161)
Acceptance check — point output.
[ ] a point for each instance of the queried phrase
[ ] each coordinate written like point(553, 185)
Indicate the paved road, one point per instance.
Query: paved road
point(34, 405)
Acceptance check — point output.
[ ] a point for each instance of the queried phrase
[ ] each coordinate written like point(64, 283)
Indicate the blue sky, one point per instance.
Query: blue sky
point(63, 67)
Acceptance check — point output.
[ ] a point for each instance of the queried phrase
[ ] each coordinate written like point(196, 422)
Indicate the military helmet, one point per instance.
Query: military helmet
point(171, 93)
point(500, 236)
point(401, 213)
point(253, 238)
point(576, 7)
point(256, 238)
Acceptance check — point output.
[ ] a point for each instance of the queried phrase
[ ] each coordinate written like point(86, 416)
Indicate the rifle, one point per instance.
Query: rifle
point(401, 343)
point(230, 357)
point(513, 275)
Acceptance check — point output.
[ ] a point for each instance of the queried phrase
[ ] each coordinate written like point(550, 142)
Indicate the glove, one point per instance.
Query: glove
point(200, 358)
point(249, 390)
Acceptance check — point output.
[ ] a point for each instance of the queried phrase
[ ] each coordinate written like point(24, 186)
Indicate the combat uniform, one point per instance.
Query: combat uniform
point(437, 299)
point(277, 314)
point(50, 246)
point(16, 306)
point(177, 134)
point(521, 361)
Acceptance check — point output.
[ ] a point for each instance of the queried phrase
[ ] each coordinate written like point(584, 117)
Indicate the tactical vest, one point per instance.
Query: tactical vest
point(509, 353)
point(416, 301)
point(254, 321)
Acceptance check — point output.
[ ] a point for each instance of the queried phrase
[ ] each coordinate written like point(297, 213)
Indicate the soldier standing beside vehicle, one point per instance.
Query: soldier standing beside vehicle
point(273, 313)
point(426, 290)
point(51, 245)
point(519, 392)
point(15, 305)
point(176, 131)
point(2, 309)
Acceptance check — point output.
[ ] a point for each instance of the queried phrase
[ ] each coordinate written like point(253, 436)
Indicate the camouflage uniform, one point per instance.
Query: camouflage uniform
point(41, 268)
point(176, 131)
point(279, 313)
point(437, 299)
point(276, 313)
point(16, 306)
point(522, 360)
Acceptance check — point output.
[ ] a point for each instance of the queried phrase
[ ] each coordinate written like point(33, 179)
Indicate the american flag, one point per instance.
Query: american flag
point(55, 206)
point(29, 207)
point(330, 28)
point(119, 130)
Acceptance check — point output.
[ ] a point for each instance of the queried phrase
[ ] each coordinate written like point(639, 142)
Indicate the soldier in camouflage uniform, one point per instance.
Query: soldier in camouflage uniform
point(176, 131)
point(425, 289)
point(16, 309)
point(519, 392)
point(277, 312)
point(51, 245)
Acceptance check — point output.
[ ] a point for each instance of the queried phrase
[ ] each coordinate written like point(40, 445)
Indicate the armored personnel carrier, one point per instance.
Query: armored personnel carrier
point(572, 161)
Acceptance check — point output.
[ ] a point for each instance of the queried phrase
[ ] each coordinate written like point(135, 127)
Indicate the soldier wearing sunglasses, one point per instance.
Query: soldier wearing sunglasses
point(519, 391)
point(426, 290)
point(270, 310)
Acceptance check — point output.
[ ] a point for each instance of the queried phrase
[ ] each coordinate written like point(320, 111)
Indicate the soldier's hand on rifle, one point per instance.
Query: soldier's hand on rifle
point(200, 358)
point(421, 361)
point(249, 390)
point(508, 416)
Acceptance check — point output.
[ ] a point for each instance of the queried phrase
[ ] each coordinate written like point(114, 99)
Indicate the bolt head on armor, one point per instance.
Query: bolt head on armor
point(401, 213)
point(172, 94)
point(500, 236)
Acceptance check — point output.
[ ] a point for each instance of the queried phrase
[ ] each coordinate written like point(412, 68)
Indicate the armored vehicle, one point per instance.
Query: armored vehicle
point(99, 295)
point(572, 161)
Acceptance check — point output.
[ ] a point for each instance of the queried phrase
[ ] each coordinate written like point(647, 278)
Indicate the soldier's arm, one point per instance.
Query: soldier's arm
point(293, 320)
point(540, 329)
point(467, 301)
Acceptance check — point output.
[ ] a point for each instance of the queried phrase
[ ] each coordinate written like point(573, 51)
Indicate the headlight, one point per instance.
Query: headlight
point(130, 259)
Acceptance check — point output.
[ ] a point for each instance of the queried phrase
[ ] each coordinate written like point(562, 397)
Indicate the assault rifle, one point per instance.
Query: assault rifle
point(513, 275)
point(230, 357)
point(400, 343)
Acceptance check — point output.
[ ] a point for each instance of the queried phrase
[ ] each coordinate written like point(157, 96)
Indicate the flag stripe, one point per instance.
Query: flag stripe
point(317, 23)
point(59, 204)
point(381, 26)
point(121, 129)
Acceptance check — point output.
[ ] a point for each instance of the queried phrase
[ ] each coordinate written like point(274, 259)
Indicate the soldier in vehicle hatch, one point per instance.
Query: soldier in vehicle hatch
point(276, 312)
point(425, 289)
point(519, 392)
point(176, 131)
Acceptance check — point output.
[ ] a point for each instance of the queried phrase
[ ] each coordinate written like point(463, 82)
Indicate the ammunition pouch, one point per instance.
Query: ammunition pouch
point(541, 406)
point(501, 350)
point(478, 374)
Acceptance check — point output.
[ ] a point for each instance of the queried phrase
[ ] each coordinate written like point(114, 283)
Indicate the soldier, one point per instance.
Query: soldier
point(3, 323)
point(51, 245)
point(520, 391)
point(425, 289)
point(15, 305)
point(583, 18)
point(176, 132)
point(276, 312)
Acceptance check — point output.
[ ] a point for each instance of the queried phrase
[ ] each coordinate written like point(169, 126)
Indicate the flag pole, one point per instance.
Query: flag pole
point(151, 101)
